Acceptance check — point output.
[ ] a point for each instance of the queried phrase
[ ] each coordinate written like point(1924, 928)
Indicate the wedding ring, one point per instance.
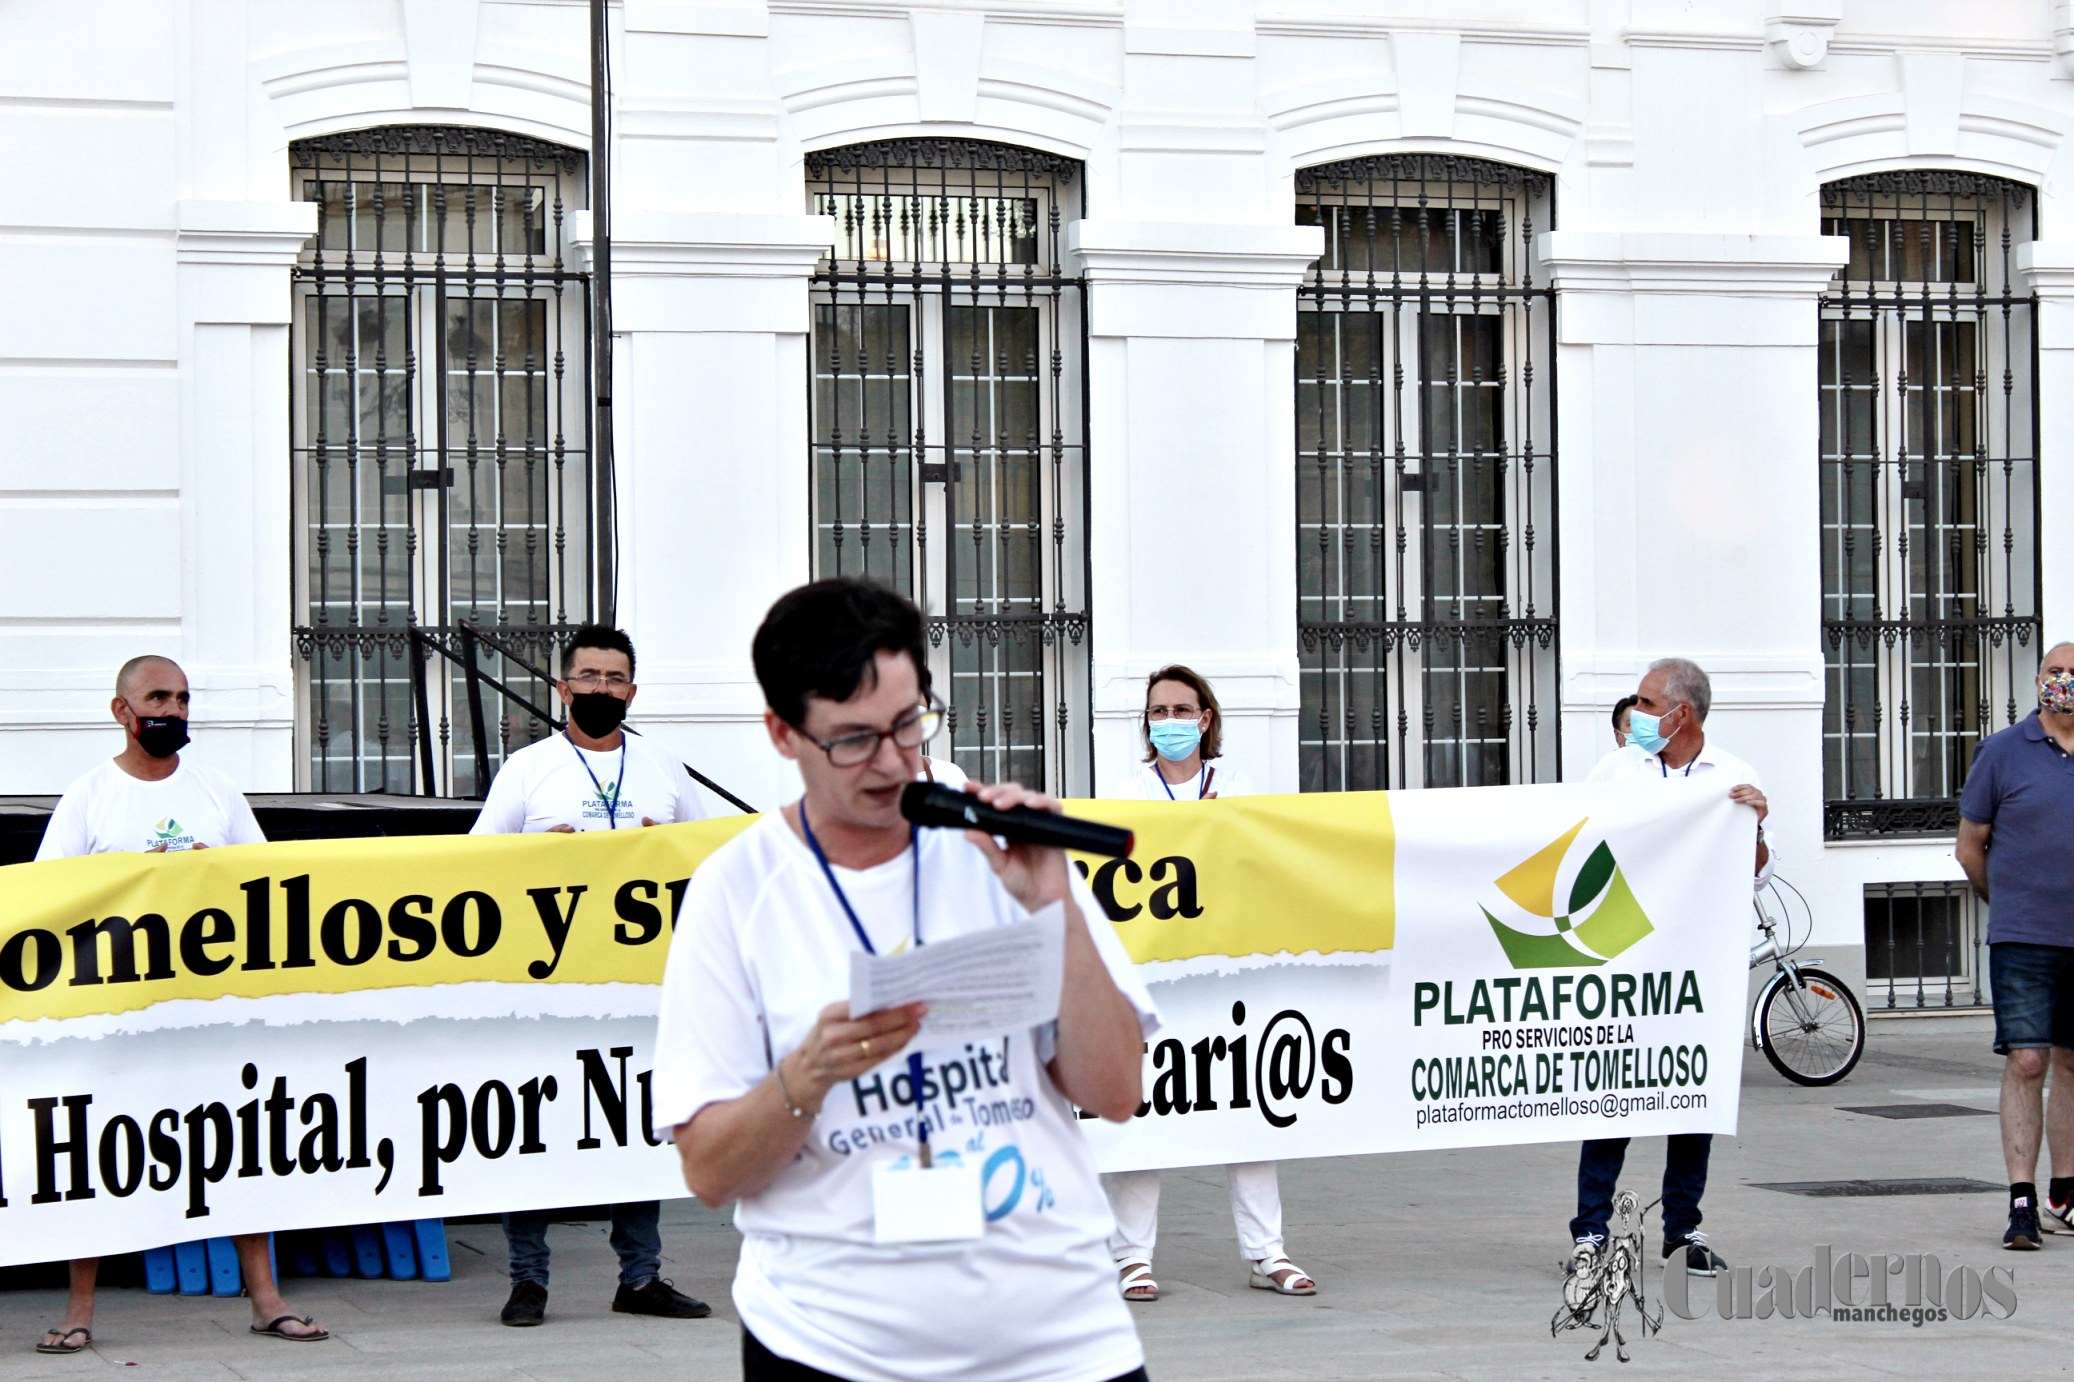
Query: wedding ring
point(864, 1045)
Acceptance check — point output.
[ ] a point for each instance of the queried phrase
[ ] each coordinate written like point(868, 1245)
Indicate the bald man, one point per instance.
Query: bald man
point(146, 799)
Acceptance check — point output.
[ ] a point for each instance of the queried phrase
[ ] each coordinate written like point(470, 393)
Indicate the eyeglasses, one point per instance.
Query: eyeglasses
point(910, 731)
point(1156, 713)
point(591, 681)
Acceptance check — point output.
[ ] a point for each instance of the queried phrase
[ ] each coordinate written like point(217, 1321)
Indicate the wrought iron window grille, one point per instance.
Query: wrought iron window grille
point(1426, 505)
point(1929, 507)
point(1925, 947)
point(949, 449)
point(441, 451)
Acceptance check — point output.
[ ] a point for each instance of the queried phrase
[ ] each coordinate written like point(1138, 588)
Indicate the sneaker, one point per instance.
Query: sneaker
point(527, 1306)
point(2057, 1218)
point(1581, 1272)
point(2023, 1234)
point(659, 1297)
point(1700, 1260)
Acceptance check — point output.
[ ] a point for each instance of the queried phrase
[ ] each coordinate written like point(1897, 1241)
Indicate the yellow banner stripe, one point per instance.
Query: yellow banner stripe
point(115, 933)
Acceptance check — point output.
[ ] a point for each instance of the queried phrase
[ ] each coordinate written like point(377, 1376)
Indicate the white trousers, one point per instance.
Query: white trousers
point(1256, 1208)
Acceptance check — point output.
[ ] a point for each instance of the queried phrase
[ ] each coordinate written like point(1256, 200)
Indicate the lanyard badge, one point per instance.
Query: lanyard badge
point(611, 803)
point(921, 1203)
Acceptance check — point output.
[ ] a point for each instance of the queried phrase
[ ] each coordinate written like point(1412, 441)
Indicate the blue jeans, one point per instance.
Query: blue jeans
point(1685, 1180)
point(637, 1237)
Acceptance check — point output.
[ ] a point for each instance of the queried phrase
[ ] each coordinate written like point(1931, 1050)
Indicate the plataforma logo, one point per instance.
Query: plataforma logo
point(167, 829)
point(1602, 918)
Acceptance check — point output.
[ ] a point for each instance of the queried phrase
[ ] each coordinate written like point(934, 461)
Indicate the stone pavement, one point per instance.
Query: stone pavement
point(1439, 1264)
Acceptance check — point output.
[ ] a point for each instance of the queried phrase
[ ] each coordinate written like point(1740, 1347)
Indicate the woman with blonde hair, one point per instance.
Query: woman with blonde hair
point(1182, 728)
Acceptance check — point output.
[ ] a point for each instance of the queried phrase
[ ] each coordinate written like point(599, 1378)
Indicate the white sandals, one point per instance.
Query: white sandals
point(1283, 1277)
point(1136, 1281)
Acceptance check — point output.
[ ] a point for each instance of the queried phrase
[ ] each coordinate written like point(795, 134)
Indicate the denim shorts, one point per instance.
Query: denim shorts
point(2034, 995)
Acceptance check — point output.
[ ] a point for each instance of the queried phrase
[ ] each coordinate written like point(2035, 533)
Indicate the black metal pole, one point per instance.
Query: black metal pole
point(475, 712)
point(421, 702)
point(606, 555)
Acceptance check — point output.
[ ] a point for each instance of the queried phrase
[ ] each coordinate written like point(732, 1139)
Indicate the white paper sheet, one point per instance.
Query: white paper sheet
point(980, 986)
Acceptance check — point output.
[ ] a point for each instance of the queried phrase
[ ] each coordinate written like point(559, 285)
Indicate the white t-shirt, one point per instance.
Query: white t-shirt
point(1632, 764)
point(1217, 777)
point(761, 948)
point(109, 812)
point(553, 782)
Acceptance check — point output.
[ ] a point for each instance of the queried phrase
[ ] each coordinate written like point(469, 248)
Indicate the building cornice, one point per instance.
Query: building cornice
point(1188, 254)
point(265, 235)
point(707, 244)
point(1798, 266)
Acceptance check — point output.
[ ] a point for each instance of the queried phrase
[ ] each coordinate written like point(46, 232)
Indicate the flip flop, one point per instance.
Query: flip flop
point(273, 1330)
point(86, 1336)
point(1136, 1281)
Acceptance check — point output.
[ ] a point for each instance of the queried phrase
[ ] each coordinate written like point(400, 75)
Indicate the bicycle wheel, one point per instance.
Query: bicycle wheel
point(1813, 1034)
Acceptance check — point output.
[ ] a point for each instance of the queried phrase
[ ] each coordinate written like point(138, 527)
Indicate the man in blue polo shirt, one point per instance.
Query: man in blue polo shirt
point(2016, 843)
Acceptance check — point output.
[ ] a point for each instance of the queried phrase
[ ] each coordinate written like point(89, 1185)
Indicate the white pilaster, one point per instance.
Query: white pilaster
point(1688, 523)
point(1191, 386)
point(2047, 267)
point(236, 582)
point(712, 315)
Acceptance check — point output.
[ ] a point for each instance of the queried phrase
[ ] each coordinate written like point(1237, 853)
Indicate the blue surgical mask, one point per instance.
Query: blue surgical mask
point(1175, 739)
point(1645, 732)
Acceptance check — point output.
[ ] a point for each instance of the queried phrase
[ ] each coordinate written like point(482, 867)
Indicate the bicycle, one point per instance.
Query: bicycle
point(1807, 1021)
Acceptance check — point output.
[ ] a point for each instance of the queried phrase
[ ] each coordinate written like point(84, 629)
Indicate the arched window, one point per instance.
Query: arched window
point(1425, 476)
point(949, 452)
point(1929, 492)
point(441, 446)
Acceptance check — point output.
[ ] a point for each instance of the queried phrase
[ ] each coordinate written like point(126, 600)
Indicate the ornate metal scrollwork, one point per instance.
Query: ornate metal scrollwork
point(1433, 168)
point(973, 155)
point(1854, 819)
point(1019, 630)
point(1920, 182)
point(1413, 635)
point(435, 141)
point(1889, 633)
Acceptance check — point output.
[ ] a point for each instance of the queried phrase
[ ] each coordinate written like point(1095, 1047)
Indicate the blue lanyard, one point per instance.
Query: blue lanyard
point(1667, 772)
point(1202, 781)
point(914, 845)
point(611, 804)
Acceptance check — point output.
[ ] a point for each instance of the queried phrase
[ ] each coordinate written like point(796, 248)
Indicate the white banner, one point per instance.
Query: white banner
point(253, 1047)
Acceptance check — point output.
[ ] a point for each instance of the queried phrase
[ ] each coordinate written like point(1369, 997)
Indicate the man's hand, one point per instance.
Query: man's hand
point(1972, 854)
point(1750, 796)
point(561, 830)
point(647, 821)
point(1035, 875)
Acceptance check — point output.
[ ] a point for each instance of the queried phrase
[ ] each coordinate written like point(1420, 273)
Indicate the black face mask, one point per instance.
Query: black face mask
point(597, 713)
point(161, 736)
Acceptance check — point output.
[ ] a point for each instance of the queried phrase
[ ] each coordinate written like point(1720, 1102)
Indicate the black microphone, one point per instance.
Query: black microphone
point(947, 808)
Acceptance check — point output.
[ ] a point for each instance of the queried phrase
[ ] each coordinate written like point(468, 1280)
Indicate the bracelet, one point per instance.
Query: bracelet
point(784, 1093)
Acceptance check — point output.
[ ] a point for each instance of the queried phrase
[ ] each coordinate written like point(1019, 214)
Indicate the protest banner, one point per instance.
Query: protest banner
point(294, 1035)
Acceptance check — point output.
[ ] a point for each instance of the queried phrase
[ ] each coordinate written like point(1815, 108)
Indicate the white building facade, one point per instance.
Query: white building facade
point(1417, 372)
